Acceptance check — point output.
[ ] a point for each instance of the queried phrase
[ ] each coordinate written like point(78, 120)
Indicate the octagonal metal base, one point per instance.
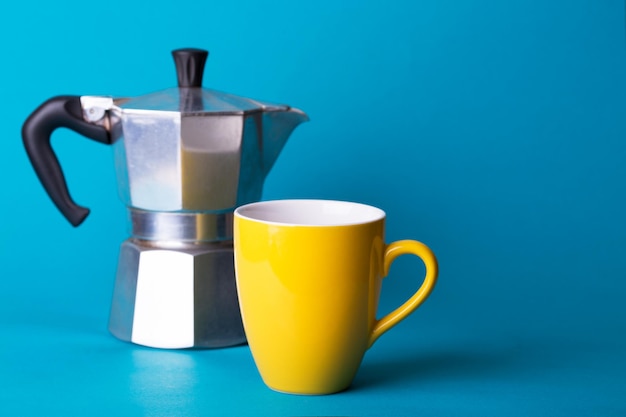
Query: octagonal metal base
point(183, 296)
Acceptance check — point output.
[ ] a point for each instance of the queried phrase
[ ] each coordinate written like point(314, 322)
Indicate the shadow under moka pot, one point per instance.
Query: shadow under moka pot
point(185, 158)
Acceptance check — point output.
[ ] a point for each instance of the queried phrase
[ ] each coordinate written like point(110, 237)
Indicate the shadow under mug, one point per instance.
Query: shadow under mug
point(309, 276)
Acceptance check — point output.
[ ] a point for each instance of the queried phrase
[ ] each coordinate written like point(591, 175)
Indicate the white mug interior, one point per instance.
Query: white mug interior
point(310, 212)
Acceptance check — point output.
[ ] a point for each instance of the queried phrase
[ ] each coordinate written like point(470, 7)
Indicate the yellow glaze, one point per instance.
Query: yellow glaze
point(308, 297)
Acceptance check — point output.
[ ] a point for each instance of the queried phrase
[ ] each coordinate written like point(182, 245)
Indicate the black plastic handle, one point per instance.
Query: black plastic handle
point(60, 111)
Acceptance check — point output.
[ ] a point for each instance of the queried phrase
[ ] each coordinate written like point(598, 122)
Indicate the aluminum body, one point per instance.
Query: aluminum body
point(185, 158)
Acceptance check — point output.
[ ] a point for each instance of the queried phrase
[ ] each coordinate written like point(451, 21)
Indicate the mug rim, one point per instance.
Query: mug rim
point(366, 213)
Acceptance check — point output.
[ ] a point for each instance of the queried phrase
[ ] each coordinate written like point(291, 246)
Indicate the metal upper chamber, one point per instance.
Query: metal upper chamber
point(191, 148)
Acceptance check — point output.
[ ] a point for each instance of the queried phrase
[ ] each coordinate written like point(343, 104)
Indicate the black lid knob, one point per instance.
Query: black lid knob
point(190, 66)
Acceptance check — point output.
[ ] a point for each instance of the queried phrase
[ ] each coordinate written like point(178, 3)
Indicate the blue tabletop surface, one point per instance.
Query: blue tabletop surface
point(494, 132)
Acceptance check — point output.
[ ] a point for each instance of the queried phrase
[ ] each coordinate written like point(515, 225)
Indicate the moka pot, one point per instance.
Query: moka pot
point(185, 158)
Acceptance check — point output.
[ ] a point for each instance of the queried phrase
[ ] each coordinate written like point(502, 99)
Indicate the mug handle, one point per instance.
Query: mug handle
point(392, 251)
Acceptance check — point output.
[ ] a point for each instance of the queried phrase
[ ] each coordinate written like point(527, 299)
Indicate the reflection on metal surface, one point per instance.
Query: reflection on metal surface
point(181, 227)
point(176, 298)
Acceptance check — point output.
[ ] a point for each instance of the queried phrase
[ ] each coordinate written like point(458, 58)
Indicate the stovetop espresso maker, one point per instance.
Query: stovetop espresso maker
point(185, 158)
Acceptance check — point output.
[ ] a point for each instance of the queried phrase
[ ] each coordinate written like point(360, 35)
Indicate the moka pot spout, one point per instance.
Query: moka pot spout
point(277, 127)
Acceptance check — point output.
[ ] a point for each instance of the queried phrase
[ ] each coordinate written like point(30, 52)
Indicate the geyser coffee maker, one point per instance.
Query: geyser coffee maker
point(185, 158)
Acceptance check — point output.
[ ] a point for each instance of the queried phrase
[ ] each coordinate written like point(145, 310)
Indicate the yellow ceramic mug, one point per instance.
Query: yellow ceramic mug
point(309, 274)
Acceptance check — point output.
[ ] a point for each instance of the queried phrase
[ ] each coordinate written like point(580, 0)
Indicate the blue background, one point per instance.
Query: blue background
point(494, 131)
